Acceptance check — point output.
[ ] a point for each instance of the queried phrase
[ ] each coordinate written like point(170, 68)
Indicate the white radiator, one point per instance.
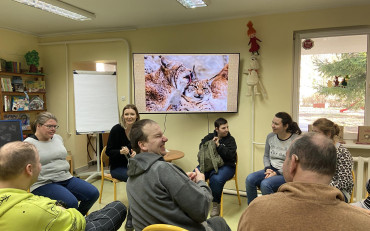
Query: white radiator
point(361, 167)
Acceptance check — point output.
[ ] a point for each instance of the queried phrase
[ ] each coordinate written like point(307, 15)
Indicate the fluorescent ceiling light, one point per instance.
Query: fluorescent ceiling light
point(192, 3)
point(60, 8)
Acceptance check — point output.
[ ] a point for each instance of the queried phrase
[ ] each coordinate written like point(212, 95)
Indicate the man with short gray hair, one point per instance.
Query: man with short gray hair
point(306, 201)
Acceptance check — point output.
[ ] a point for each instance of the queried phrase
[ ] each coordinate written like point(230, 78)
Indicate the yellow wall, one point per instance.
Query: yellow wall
point(228, 36)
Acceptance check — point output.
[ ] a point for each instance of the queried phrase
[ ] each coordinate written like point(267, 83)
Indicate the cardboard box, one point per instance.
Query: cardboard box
point(340, 135)
point(363, 135)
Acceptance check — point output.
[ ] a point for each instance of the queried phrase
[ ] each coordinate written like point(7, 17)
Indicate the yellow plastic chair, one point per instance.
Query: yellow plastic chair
point(104, 161)
point(163, 227)
point(235, 178)
point(353, 189)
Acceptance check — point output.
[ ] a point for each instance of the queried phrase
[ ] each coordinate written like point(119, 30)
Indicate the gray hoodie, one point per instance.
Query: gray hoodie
point(161, 193)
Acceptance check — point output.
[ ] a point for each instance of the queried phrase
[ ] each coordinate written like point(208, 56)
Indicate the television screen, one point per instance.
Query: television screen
point(183, 83)
point(10, 130)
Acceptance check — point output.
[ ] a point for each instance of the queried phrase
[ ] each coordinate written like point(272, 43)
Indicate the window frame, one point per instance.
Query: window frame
point(330, 32)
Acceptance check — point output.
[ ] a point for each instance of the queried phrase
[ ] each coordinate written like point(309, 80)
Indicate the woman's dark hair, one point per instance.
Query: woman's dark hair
point(287, 119)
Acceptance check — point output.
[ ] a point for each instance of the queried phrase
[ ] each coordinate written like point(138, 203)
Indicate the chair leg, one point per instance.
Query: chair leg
point(101, 190)
point(115, 190)
point(237, 190)
point(222, 204)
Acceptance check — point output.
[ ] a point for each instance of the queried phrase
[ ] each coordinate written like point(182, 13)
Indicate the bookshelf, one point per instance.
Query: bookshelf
point(10, 95)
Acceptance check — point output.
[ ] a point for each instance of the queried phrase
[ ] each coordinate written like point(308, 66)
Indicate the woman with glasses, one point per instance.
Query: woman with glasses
point(55, 181)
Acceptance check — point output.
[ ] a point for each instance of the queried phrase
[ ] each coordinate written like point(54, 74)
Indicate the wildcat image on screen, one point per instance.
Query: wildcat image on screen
point(186, 83)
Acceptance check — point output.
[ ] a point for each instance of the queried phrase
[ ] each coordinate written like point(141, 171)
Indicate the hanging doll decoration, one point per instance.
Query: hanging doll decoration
point(253, 79)
point(253, 39)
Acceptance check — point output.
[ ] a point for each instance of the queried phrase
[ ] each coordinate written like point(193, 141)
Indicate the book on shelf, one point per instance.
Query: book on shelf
point(14, 67)
point(24, 118)
point(20, 103)
point(36, 103)
point(7, 101)
point(35, 86)
point(6, 84)
point(18, 84)
point(2, 65)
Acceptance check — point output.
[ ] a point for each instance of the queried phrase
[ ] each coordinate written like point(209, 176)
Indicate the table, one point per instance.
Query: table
point(173, 155)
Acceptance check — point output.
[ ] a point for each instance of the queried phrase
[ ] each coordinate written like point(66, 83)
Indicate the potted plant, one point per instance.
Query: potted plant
point(32, 59)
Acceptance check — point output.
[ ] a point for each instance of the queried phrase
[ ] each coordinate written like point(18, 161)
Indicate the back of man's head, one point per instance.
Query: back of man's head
point(137, 133)
point(315, 153)
point(14, 157)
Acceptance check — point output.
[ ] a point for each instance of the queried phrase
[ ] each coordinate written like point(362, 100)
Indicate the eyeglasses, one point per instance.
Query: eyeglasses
point(51, 126)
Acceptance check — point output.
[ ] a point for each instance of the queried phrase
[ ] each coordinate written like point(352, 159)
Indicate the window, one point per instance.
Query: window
point(330, 78)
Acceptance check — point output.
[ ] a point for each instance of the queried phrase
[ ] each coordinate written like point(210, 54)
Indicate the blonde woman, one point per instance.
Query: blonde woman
point(342, 179)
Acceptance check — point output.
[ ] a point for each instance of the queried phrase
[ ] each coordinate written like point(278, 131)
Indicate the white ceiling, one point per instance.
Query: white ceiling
point(115, 15)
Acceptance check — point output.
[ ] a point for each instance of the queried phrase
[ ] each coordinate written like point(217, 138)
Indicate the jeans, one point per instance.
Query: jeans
point(267, 186)
point(218, 180)
point(120, 173)
point(70, 192)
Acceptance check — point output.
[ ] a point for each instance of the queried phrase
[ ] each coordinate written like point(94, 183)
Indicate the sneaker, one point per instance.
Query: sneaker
point(129, 226)
point(215, 209)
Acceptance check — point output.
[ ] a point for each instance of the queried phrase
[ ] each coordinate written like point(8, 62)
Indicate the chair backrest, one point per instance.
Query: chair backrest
point(353, 189)
point(163, 227)
point(104, 159)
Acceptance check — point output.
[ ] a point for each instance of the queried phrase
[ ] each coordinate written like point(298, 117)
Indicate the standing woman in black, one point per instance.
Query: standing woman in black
point(119, 148)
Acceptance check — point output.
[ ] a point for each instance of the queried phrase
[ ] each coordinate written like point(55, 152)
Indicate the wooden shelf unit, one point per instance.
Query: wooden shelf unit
point(32, 113)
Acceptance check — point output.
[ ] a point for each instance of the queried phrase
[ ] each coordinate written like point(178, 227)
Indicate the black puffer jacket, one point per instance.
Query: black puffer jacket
point(226, 149)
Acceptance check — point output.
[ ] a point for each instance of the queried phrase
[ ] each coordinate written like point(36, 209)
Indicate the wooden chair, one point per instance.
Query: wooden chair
point(104, 161)
point(353, 189)
point(70, 161)
point(163, 227)
point(235, 178)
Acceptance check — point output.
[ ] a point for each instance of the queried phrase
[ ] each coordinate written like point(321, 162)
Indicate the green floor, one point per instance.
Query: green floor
point(232, 210)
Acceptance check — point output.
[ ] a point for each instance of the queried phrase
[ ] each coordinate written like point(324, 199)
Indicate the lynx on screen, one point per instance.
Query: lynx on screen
point(186, 83)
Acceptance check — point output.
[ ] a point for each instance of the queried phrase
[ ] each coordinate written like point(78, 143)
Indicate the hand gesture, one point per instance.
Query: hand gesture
point(124, 150)
point(216, 140)
point(133, 153)
point(269, 173)
point(199, 176)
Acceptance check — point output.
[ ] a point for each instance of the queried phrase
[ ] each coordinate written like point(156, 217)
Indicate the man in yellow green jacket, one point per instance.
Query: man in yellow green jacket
point(20, 210)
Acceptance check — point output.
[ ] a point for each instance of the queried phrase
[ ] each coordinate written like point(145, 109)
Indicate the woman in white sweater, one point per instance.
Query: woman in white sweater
point(55, 180)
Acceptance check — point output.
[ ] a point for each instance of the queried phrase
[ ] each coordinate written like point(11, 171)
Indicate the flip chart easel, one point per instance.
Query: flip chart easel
point(96, 106)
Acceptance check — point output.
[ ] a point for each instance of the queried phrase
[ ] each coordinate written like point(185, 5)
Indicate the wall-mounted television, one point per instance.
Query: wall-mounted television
point(186, 83)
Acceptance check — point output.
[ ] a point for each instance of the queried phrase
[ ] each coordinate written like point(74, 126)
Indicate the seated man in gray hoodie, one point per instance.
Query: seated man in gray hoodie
point(162, 193)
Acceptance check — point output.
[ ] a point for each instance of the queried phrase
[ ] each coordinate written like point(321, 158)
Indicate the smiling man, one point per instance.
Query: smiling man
point(162, 193)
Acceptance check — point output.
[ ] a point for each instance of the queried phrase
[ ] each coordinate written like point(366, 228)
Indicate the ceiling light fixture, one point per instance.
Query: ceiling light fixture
point(60, 8)
point(192, 3)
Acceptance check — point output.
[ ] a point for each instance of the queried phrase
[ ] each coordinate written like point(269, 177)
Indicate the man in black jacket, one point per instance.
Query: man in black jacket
point(226, 148)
